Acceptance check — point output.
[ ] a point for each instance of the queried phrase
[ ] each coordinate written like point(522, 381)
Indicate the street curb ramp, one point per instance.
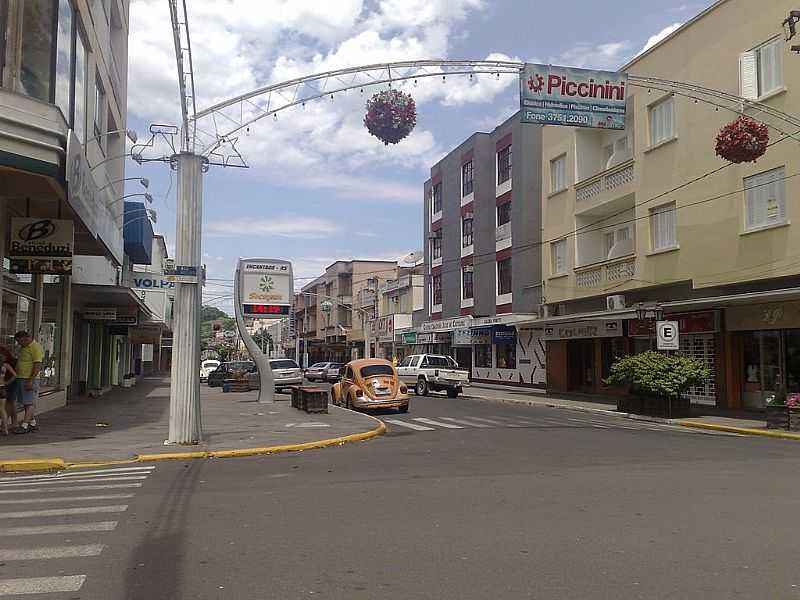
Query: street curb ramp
point(59, 464)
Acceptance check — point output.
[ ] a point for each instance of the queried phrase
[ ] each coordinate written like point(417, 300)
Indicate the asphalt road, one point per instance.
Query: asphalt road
point(461, 499)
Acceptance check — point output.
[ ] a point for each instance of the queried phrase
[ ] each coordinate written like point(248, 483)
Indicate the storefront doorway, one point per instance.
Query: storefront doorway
point(580, 354)
point(771, 364)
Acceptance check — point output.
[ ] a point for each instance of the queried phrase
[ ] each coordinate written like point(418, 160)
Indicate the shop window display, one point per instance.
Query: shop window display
point(506, 356)
point(483, 356)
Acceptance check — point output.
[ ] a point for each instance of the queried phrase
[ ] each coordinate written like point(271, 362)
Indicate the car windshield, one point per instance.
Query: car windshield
point(241, 365)
point(335, 366)
point(319, 365)
point(373, 370)
point(283, 364)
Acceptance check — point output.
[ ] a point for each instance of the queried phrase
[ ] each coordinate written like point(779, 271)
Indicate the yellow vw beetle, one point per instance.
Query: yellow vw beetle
point(370, 383)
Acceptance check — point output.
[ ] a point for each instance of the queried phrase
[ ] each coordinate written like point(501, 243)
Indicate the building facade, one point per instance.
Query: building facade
point(482, 225)
point(651, 215)
point(397, 300)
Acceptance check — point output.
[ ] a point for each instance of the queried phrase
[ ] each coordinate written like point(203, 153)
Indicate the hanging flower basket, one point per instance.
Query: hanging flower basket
point(743, 140)
point(391, 116)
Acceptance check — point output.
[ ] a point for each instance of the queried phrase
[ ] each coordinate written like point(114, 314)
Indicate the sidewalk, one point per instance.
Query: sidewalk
point(703, 417)
point(127, 423)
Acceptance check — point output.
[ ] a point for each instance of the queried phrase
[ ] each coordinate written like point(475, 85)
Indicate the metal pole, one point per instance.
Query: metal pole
point(185, 423)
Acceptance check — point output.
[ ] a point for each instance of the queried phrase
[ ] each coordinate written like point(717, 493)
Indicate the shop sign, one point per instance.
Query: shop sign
point(409, 337)
point(501, 320)
point(753, 317)
point(128, 320)
point(145, 334)
point(146, 281)
point(155, 300)
point(447, 324)
point(688, 323)
point(265, 288)
point(100, 313)
point(181, 274)
point(382, 327)
point(503, 334)
point(583, 329)
point(551, 95)
point(433, 338)
point(462, 337)
point(41, 245)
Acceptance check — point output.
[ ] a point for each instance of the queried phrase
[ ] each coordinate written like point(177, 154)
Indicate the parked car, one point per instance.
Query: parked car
point(370, 383)
point(333, 372)
point(228, 370)
point(433, 373)
point(207, 367)
point(285, 371)
point(316, 372)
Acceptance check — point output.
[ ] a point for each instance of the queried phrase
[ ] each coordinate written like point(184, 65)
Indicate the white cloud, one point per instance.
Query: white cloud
point(664, 33)
point(296, 227)
point(324, 146)
point(608, 56)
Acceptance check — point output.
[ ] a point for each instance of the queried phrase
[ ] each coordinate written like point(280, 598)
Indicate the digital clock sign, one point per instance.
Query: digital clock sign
point(265, 309)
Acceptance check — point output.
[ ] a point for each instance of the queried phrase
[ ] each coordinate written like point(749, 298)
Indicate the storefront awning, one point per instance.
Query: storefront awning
point(734, 299)
point(586, 316)
point(108, 295)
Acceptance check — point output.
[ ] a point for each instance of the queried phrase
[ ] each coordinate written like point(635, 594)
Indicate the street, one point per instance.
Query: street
point(460, 499)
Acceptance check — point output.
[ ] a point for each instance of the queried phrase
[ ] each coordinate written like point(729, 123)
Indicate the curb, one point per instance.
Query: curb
point(58, 464)
point(783, 435)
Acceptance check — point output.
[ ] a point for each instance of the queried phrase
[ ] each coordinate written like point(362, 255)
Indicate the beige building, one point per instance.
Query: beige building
point(652, 215)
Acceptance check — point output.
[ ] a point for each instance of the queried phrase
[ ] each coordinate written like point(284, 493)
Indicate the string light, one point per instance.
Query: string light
point(275, 116)
point(415, 83)
point(443, 78)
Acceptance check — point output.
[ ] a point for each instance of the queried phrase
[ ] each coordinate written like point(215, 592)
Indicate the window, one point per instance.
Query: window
point(466, 230)
point(99, 110)
point(65, 51)
point(483, 356)
point(466, 179)
point(406, 362)
point(765, 201)
point(558, 176)
point(661, 121)
point(662, 227)
point(504, 214)
point(612, 238)
point(761, 70)
point(558, 257)
point(81, 61)
point(436, 289)
point(436, 247)
point(466, 282)
point(504, 165)
point(504, 276)
point(506, 355)
point(37, 44)
point(437, 198)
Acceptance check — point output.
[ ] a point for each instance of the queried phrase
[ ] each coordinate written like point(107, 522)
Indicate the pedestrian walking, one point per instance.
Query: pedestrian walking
point(7, 378)
point(29, 365)
point(11, 401)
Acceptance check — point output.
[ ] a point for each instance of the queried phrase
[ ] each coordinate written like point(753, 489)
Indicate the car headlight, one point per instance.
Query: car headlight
point(403, 389)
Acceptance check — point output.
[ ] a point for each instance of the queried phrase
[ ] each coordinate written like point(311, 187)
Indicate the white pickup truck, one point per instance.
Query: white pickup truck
point(432, 373)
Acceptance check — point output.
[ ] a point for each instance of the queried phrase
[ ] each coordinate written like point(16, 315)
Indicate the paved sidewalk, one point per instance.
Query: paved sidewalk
point(128, 422)
point(702, 416)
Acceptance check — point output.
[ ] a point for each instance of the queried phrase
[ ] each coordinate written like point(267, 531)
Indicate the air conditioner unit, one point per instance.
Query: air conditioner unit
point(615, 302)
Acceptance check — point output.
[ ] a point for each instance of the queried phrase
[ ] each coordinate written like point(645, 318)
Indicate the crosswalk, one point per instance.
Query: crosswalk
point(43, 512)
point(442, 423)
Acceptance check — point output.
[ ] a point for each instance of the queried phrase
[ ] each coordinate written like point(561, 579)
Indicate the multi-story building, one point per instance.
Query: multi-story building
point(483, 229)
point(333, 311)
point(397, 300)
point(651, 215)
point(63, 80)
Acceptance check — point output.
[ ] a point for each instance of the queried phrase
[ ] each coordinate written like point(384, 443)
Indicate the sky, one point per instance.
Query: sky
point(319, 188)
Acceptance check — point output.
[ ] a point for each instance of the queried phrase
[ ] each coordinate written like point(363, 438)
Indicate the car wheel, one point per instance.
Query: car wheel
point(452, 393)
point(348, 403)
point(421, 389)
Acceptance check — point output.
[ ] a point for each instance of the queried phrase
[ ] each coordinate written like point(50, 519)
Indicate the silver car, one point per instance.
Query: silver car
point(316, 372)
point(332, 373)
point(285, 371)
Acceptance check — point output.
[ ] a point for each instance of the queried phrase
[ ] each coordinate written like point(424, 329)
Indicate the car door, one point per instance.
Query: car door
point(405, 369)
point(346, 381)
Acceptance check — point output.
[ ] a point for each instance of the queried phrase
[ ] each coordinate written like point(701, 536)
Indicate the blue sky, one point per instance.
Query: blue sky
point(316, 173)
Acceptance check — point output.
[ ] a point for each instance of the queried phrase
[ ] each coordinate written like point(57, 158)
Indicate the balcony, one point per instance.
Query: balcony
point(502, 232)
point(599, 277)
point(610, 185)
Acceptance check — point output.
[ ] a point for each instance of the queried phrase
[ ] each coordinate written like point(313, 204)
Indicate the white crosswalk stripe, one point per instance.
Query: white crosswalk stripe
point(438, 423)
point(464, 422)
point(52, 505)
point(408, 425)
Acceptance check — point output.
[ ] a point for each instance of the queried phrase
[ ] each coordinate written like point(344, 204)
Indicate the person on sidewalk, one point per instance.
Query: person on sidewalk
point(7, 378)
point(13, 400)
point(29, 364)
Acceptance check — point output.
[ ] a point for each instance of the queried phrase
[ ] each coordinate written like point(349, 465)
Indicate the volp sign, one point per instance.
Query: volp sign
point(667, 336)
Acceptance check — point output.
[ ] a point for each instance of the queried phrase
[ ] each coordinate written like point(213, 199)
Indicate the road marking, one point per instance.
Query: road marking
point(73, 488)
point(70, 474)
point(7, 554)
point(73, 480)
point(61, 528)
point(408, 425)
point(60, 512)
point(437, 423)
point(52, 499)
point(515, 421)
point(463, 422)
point(490, 421)
point(41, 585)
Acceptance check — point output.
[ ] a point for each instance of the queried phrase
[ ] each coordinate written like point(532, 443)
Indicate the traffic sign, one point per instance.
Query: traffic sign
point(667, 336)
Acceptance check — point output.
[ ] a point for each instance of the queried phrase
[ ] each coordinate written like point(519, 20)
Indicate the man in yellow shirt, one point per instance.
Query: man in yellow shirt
point(29, 364)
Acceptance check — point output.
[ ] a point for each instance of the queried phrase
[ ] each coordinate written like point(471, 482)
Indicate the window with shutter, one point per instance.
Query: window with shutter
point(558, 251)
point(765, 201)
point(661, 121)
point(761, 70)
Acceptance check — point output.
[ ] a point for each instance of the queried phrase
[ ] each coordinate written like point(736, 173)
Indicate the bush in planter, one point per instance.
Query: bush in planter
point(655, 375)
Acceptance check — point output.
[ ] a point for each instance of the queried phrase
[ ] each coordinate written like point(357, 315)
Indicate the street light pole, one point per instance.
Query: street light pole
point(185, 425)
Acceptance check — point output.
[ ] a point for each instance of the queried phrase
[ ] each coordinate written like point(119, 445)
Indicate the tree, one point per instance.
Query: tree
point(658, 375)
point(212, 313)
point(264, 340)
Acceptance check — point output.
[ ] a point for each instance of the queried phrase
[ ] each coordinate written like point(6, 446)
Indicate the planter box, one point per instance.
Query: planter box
point(310, 399)
point(783, 417)
point(126, 383)
point(677, 408)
